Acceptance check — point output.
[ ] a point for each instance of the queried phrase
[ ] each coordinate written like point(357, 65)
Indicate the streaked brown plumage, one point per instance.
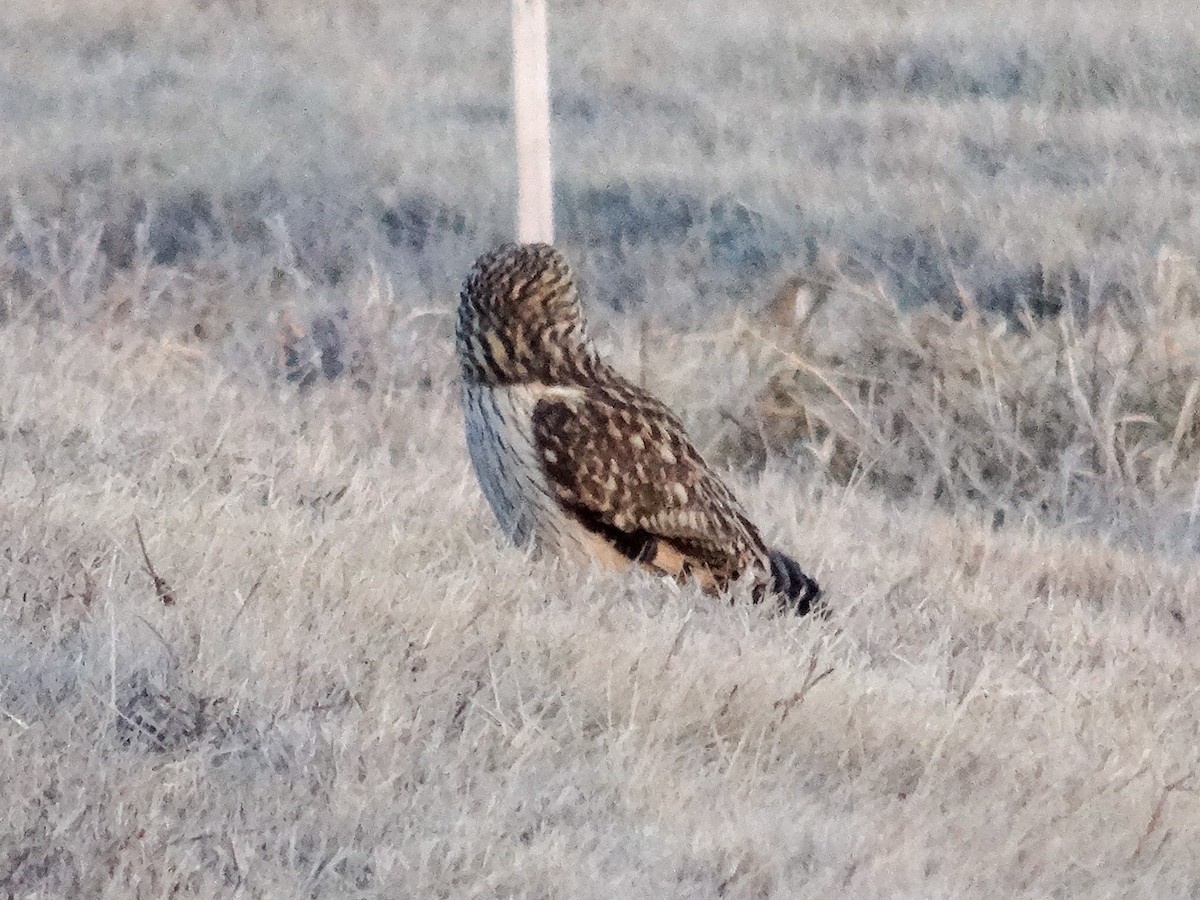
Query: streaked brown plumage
point(576, 458)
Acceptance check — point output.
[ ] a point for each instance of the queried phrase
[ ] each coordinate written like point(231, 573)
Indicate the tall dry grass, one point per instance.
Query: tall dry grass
point(949, 401)
point(230, 238)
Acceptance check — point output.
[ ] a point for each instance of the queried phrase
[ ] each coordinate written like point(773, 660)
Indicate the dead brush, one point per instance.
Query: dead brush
point(921, 402)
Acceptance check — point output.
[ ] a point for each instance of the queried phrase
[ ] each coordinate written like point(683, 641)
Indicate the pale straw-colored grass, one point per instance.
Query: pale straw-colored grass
point(230, 237)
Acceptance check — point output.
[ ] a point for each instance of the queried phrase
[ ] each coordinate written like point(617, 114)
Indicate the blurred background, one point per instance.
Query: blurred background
point(296, 188)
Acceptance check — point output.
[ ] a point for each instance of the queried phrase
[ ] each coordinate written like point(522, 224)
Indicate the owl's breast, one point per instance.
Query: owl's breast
point(499, 431)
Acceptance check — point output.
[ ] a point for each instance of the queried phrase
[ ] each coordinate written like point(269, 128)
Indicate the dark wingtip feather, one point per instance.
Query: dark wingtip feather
point(796, 590)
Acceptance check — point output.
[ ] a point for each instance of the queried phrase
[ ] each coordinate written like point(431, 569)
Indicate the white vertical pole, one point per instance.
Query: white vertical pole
point(531, 89)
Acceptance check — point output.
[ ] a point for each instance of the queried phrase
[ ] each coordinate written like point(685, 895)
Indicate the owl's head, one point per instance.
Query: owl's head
point(519, 318)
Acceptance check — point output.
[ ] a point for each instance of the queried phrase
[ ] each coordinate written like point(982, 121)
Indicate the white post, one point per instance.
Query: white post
point(531, 95)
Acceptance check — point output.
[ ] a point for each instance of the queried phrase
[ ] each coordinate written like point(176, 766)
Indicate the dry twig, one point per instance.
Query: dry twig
point(161, 589)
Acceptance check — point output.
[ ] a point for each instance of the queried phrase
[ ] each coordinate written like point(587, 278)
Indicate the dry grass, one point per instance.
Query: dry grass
point(355, 691)
point(229, 241)
point(1031, 413)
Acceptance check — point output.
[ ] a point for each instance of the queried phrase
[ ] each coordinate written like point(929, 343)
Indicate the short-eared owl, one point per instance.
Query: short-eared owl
point(579, 460)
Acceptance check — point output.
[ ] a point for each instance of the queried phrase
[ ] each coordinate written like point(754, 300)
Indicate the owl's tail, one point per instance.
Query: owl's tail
point(796, 590)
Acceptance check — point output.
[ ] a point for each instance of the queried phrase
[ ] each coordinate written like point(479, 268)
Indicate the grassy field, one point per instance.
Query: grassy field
point(922, 276)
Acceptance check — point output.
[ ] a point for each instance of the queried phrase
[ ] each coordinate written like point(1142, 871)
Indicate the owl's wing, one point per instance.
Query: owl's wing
point(622, 464)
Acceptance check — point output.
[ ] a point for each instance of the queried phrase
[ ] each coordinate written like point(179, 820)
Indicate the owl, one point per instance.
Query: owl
point(581, 462)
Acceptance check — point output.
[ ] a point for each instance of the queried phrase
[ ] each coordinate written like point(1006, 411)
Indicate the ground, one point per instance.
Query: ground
point(260, 637)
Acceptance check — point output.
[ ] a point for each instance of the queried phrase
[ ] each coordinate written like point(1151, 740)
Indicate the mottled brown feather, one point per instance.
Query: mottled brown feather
point(619, 459)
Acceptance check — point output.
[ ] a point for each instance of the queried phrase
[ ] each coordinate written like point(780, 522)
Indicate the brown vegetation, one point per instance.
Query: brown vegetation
point(1021, 412)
